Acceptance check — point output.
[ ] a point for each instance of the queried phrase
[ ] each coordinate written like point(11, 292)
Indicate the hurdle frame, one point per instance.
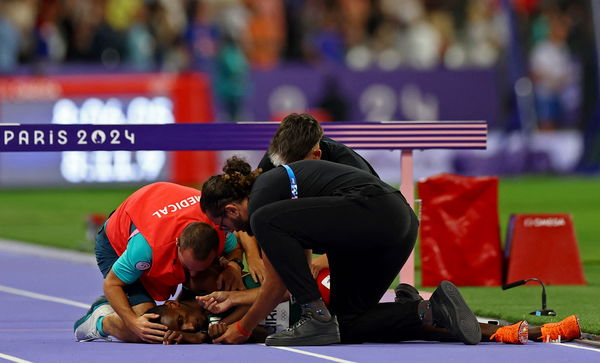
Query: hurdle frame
point(406, 136)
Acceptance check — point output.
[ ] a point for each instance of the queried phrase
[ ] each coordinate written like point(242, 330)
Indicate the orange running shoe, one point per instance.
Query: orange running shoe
point(513, 334)
point(568, 329)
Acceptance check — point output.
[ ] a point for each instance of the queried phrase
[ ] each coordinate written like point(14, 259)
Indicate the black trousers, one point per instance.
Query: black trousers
point(367, 238)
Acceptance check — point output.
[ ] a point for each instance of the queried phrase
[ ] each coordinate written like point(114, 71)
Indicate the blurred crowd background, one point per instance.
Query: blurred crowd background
point(545, 48)
point(189, 34)
point(184, 34)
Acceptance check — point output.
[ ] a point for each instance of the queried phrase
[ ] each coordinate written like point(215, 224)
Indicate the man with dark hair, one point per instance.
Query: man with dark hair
point(150, 244)
point(300, 137)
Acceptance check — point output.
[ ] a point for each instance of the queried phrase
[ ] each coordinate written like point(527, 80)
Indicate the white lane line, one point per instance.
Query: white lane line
point(577, 346)
point(13, 359)
point(35, 295)
point(326, 357)
point(23, 248)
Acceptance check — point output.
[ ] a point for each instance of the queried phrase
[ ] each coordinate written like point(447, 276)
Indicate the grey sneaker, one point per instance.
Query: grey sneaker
point(450, 311)
point(406, 293)
point(85, 328)
point(307, 331)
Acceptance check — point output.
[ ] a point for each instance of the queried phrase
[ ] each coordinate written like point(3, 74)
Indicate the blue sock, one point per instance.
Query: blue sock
point(99, 326)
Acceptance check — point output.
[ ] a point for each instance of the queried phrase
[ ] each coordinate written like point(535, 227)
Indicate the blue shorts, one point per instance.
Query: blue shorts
point(106, 257)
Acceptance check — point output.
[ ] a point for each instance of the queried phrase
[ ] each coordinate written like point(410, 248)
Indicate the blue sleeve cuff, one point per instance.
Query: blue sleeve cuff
point(230, 243)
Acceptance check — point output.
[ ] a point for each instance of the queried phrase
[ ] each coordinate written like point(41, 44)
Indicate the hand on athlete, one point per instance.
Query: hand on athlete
point(318, 263)
point(256, 268)
point(216, 302)
point(173, 337)
point(231, 278)
point(182, 337)
point(231, 336)
point(147, 331)
point(217, 329)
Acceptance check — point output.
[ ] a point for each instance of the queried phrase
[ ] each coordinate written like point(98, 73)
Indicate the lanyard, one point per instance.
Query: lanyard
point(293, 184)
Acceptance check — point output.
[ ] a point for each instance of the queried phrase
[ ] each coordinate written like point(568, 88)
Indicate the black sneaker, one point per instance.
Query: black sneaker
point(406, 293)
point(307, 331)
point(450, 311)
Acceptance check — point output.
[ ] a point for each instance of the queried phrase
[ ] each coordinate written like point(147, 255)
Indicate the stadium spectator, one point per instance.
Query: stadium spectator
point(231, 77)
point(202, 35)
point(9, 41)
point(139, 43)
point(551, 70)
point(301, 207)
point(265, 31)
point(148, 246)
point(335, 30)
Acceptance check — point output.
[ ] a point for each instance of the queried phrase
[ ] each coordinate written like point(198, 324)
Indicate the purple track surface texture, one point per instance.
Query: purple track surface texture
point(37, 330)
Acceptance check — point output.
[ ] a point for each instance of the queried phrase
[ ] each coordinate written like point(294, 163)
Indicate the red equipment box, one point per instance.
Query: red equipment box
point(460, 234)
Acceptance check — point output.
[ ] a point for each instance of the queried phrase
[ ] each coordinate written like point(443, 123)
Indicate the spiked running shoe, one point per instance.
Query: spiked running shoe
point(307, 331)
point(513, 334)
point(567, 329)
point(85, 328)
point(450, 311)
point(406, 293)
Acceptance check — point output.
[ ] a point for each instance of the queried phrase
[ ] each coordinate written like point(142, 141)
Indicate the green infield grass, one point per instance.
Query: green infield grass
point(57, 217)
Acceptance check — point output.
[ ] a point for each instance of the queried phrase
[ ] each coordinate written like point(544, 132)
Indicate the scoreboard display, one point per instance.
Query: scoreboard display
point(102, 99)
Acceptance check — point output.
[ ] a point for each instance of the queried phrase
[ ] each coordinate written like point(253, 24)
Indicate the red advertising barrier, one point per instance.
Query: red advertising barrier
point(543, 246)
point(193, 103)
point(460, 234)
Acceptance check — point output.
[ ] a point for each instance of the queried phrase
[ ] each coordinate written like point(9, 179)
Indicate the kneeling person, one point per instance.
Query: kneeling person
point(145, 249)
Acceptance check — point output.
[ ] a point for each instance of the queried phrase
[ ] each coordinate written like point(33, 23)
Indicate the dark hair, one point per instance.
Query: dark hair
point(201, 238)
point(232, 186)
point(295, 138)
point(159, 310)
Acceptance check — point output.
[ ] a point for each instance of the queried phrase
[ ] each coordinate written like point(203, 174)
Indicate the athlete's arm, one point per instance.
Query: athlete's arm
point(231, 277)
point(236, 314)
point(256, 267)
point(220, 301)
point(269, 296)
point(319, 263)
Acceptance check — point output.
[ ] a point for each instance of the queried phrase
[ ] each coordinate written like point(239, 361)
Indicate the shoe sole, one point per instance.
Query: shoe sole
point(523, 332)
point(95, 305)
point(302, 342)
point(463, 324)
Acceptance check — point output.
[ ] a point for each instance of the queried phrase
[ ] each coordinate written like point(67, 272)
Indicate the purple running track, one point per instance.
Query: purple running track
point(36, 326)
